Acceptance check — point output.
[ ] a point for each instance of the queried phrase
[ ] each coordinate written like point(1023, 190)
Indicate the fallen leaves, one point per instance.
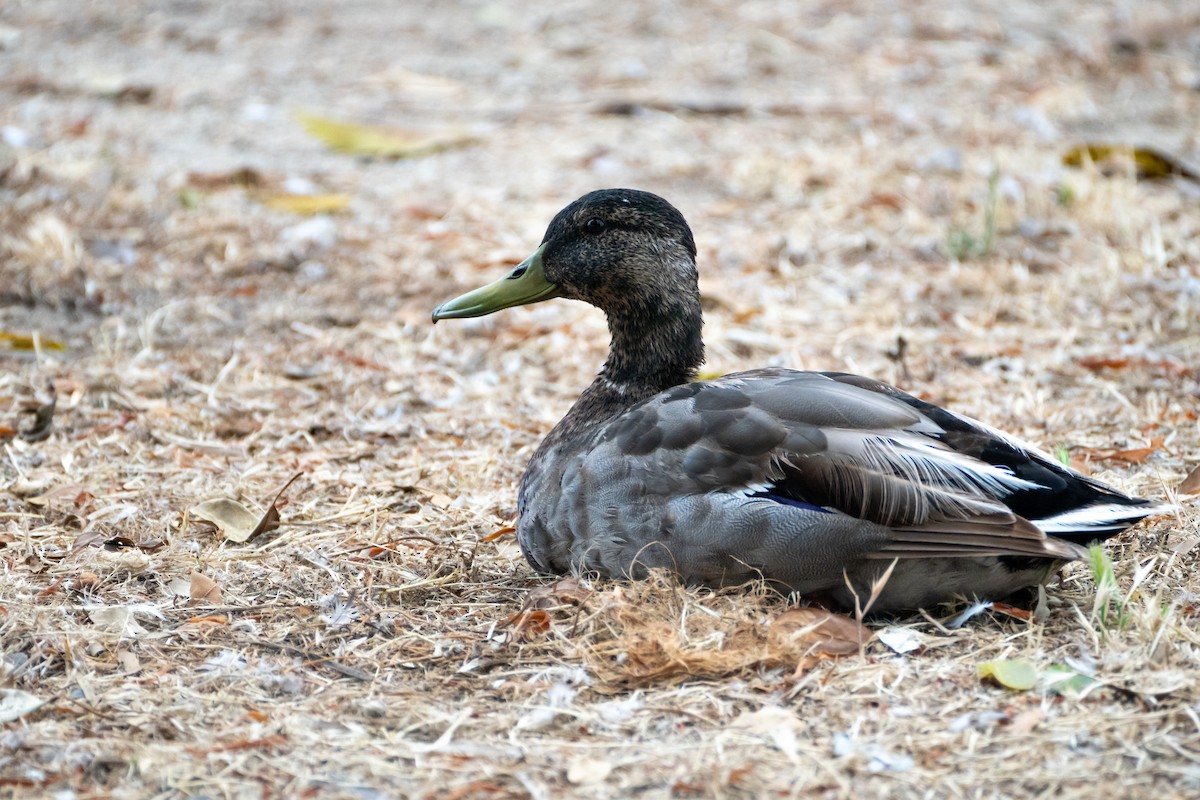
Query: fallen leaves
point(1011, 674)
point(30, 343)
point(804, 636)
point(646, 650)
point(43, 418)
point(1150, 163)
point(1132, 455)
point(372, 141)
point(584, 771)
point(1097, 363)
point(308, 204)
point(537, 614)
point(15, 703)
point(232, 519)
point(235, 522)
point(203, 590)
point(1191, 484)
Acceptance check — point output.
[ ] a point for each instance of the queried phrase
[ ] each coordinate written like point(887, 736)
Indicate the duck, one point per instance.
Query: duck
point(824, 484)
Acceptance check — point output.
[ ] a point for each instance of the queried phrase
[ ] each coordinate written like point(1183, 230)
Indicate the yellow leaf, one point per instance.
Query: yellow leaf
point(308, 203)
point(1151, 164)
point(1015, 675)
point(20, 341)
point(370, 140)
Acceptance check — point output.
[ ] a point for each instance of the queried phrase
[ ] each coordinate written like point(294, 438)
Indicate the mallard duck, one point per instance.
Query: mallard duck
point(822, 482)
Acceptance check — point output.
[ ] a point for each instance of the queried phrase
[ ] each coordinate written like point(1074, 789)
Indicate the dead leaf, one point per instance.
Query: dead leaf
point(1135, 455)
point(43, 417)
point(816, 631)
point(203, 590)
point(779, 724)
point(1150, 163)
point(583, 771)
point(1026, 721)
point(116, 619)
point(1014, 674)
point(51, 589)
point(507, 530)
point(562, 592)
point(73, 491)
point(123, 542)
point(536, 617)
point(1191, 484)
point(270, 520)
point(528, 621)
point(7, 433)
point(21, 341)
point(230, 517)
point(1097, 363)
point(129, 662)
point(308, 204)
point(1023, 614)
point(15, 703)
point(245, 177)
point(86, 582)
point(378, 142)
point(235, 522)
point(1166, 365)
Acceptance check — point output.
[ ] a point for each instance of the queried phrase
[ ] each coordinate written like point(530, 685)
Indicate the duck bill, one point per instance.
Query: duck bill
point(525, 284)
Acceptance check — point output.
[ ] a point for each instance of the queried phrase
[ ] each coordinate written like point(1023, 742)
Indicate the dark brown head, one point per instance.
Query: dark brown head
point(631, 254)
point(614, 247)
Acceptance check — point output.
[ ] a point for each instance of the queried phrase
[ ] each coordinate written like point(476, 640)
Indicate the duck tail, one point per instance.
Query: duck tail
point(1095, 523)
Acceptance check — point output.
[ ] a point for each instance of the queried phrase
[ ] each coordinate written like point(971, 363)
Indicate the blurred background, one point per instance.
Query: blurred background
point(224, 225)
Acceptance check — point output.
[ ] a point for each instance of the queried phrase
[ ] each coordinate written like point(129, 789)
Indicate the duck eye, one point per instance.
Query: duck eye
point(595, 225)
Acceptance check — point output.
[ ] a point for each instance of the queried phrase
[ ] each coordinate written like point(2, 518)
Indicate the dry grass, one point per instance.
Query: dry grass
point(376, 644)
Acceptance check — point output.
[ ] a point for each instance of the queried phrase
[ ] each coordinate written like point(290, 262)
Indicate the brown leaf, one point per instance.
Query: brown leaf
point(246, 177)
point(507, 530)
point(92, 538)
point(204, 591)
point(531, 621)
point(562, 592)
point(1191, 484)
point(51, 589)
point(1097, 363)
point(536, 617)
point(43, 416)
point(270, 520)
point(1015, 612)
point(235, 522)
point(74, 491)
point(123, 542)
point(816, 631)
point(1135, 455)
point(1026, 721)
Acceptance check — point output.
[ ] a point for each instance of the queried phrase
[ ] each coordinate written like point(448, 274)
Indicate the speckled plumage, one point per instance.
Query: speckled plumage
point(818, 482)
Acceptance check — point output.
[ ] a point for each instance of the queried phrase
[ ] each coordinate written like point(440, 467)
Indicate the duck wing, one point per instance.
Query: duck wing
point(937, 484)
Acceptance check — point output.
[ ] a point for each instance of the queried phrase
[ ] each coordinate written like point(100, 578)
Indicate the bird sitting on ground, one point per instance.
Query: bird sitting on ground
point(822, 482)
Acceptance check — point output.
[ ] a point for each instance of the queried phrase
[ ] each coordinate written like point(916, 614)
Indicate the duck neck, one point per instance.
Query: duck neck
point(649, 353)
point(654, 347)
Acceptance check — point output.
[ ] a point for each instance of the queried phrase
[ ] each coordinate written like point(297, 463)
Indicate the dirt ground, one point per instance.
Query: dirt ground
point(877, 187)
